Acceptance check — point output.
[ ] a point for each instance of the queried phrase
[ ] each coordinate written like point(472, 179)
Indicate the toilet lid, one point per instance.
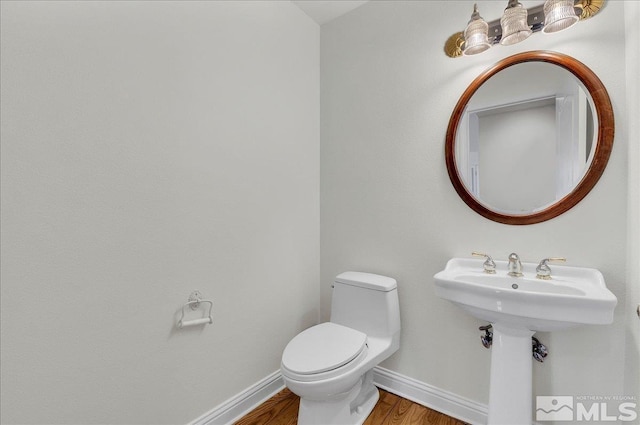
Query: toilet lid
point(323, 347)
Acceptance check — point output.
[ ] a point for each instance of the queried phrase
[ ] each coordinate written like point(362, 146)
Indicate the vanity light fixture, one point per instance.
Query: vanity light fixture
point(518, 23)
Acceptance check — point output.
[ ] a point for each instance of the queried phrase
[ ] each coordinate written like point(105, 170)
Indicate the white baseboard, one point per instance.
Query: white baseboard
point(427, 395)
point(434, 398)
point(238, 406)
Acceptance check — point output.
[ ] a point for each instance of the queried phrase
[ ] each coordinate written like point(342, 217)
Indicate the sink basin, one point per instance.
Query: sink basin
point(517, 307)
point(573, 296)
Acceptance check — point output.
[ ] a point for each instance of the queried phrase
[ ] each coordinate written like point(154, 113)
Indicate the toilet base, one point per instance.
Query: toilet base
point(350, 408)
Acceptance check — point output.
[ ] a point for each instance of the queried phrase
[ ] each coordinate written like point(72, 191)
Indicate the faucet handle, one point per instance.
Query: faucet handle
point(489, 265)
point(543, 271)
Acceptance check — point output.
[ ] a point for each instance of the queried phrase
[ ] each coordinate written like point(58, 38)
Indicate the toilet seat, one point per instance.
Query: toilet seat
point(323, 351)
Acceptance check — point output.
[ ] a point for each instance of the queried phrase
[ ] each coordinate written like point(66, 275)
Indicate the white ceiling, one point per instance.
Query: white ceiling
point(323, 11)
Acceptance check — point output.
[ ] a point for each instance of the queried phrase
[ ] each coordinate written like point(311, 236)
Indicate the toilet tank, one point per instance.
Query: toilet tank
point(366, 302)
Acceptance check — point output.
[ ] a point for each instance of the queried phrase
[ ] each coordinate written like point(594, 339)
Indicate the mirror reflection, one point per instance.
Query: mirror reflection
point(526, 138)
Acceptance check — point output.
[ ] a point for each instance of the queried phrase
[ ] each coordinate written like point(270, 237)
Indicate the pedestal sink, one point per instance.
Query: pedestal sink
point(517, 307)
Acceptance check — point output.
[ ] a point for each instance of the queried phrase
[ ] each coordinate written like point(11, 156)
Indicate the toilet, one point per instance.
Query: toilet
point(330, 365)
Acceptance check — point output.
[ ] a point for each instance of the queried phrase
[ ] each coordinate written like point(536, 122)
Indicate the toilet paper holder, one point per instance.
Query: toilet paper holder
point(195, 299)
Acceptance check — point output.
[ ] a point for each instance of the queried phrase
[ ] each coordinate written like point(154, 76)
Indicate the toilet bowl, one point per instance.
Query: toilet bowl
point(330, 365)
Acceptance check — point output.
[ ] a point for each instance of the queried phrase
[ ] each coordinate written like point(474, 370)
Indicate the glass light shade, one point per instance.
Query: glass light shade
point(476, 38)
point(514, 25)
point(558, 15)
point(476, 35)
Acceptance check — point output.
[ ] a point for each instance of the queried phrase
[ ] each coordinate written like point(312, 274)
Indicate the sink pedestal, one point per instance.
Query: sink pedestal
point(510, 394)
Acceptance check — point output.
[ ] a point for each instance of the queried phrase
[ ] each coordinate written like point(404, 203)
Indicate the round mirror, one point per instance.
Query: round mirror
point(529, 138)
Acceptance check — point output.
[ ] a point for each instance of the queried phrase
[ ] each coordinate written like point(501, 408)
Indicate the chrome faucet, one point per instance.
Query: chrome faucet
point(515, 266)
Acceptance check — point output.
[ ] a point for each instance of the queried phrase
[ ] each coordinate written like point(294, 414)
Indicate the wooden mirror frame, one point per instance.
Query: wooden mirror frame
point(603, 145)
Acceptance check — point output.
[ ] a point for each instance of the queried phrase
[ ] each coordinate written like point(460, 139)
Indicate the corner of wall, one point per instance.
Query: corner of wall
point(632, 301)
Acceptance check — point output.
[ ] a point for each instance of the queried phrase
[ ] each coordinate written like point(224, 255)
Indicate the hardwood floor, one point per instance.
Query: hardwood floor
point(282, 409)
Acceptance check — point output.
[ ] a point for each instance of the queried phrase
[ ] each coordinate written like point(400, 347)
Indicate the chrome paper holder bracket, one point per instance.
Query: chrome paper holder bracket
point(194, 301)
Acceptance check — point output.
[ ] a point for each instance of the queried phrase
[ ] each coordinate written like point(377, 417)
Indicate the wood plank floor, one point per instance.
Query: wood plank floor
point(282, 409)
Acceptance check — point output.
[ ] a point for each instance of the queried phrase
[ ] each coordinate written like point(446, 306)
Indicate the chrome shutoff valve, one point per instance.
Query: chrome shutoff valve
point(487, 338)
point(539, 350)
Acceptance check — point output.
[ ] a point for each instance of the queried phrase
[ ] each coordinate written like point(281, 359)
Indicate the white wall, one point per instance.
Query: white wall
point(387, 206)
point(632, 56)
point(150, 149)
